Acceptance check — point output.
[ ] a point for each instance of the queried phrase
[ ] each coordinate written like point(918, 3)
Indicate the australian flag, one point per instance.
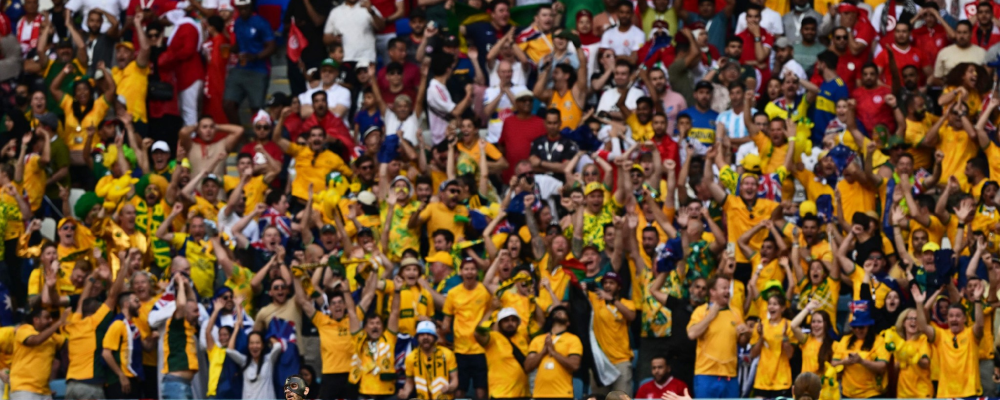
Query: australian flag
point(288, 364)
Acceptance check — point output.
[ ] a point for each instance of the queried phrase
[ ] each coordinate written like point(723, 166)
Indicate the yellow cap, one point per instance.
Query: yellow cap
point(807, 207)
point(442, 257)
point(640, 168)
point(751, 163)
point(931, 246)
point(592, 186)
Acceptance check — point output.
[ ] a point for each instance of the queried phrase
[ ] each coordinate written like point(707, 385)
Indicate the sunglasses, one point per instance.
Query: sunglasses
point(261, 127)
point(842, 37)
point(591, 173)
point(875, 258)
point(68, 227)
point(454, 191)
point(278, 287)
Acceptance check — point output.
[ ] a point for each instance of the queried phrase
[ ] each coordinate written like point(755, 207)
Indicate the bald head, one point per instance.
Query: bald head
point(180, 265)
point(505, 71)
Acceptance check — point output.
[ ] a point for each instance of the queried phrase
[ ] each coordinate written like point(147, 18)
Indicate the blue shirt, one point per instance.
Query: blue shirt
point(252, 35)
point(825, 109)
point(484, 35)
point(702, 125)
point(365, 121)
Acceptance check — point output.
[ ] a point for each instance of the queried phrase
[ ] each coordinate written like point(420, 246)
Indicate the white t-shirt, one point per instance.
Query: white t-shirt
point(354, 24)
point(517, 78)
point(504, 109)
point(770, 20)
point(609, 99)
point(251, 231)
point(336, 95)
point(409, 126)
point(113, 7)
point(439, 107)
point(623, 43)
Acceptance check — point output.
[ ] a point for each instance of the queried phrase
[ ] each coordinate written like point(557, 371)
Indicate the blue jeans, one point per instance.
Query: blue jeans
point(176, 388)
point(715, 387)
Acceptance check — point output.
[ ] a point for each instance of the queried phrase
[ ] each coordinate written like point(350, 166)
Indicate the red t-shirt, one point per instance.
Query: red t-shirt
point(749, 48)
point(930, 41)
point(848, 69)
point(911, 56)
point(387, 8)
point(270, 147)
point(668, 149)
point(985, 39)
point(650, 390)
point(411, 80)
point(872, 109)
point(863, 32)
point(516, 137)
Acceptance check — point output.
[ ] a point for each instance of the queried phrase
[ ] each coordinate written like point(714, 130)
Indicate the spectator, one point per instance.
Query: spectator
point(961, 52)
point(254, 47)
point(715, 327)
point(430, 354)
point(499, 101)
point(440, 106)
point(806, 48)
point(771, 20)
point(181, 64)
point(535, 40)
point(623, 86)
point(984, 34)
point(409, 72)
point(794, 21)
point(612, 314)
point(662, 381)
point(487, 34)
point(935, 34)
point(904, 53)
point(556, 355)
point(626, 39)
point(550, 153)
point(354, 24)
point(757, 40)
point(309, 17)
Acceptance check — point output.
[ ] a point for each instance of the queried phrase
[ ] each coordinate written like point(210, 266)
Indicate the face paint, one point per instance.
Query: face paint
point(296, 385)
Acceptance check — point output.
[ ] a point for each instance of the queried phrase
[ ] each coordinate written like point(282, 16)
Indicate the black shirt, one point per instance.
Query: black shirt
point(315, 50)
point(556, 151)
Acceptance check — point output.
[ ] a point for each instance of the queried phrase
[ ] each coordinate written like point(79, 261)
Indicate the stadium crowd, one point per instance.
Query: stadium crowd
point(499, 199)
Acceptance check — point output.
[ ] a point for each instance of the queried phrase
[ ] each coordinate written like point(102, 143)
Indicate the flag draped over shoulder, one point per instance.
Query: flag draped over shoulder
point(288, 363)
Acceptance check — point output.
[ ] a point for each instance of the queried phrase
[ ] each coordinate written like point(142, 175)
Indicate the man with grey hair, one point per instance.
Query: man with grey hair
point(498, 101)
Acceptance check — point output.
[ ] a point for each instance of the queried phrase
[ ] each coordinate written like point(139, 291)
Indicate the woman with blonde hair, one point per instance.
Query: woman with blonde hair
point(912, 356)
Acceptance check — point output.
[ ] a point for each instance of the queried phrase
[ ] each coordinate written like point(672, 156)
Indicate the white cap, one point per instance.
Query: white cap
point(367, 198)
point(239, 3)
point(523, 93)
point(363, 63)
point(426, 327)
point(507, 312)
point(160, 146)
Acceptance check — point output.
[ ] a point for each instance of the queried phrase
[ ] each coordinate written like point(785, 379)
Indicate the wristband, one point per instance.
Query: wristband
point(961, 226)
point(792, 139)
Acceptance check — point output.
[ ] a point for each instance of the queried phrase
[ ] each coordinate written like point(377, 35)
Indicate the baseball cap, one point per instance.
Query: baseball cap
point(445, 184)
point(592, 187)
point(240, 3)
point(450, 41)
point(367, 198)
point(328, 229)
point(931, 246)
point(125, 44)
point(329, 62)
point(213, 177)
point(751, 163)
point(639, 168)
point(160, 146)
point(362, 64)
point(442, 257)
point(278, 99)
point(505, 313)
point(370, 130)
point(49, 120)
point(523, 94)
point(782, 42)
point(64, 43)
point(703, 85)
point(807, 207)
point(426, 327)
point(418, 12)
point(613, 276)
